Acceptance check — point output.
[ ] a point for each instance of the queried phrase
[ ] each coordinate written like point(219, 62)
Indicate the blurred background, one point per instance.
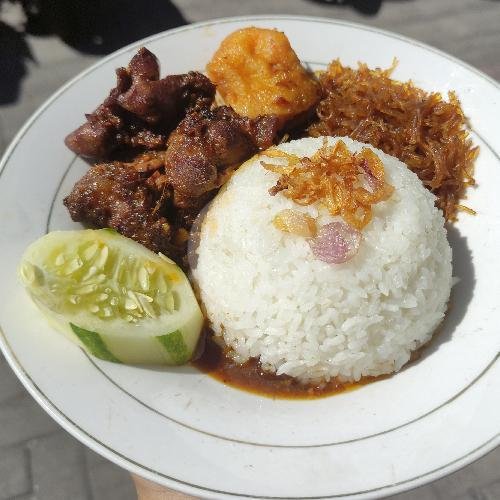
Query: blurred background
point(43, 43)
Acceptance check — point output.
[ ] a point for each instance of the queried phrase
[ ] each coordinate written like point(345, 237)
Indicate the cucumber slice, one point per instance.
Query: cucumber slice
point(112, 296)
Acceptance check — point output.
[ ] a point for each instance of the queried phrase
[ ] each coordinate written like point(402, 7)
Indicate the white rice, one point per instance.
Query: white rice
point(268, 297)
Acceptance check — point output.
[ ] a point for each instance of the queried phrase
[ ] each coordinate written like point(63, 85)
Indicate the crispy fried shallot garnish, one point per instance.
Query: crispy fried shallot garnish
point(346, 184)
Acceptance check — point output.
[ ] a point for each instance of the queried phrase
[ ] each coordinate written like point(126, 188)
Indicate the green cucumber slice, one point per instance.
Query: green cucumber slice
point(94, 344)
point(115, 298)
point(175, 345)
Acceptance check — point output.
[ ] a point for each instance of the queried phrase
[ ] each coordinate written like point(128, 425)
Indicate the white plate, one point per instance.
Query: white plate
point(183, 429)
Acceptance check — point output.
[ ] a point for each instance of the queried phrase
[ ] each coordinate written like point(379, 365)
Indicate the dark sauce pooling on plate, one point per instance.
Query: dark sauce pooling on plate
point(250, 377)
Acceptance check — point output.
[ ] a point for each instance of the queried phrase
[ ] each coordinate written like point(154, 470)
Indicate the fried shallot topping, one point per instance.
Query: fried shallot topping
point(346, 184)
point(422, 130)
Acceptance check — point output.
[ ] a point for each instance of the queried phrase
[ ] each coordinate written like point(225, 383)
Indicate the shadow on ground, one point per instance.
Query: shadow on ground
point(89, 26)
point(14, 55)
point(367, 7)
point(101, 26)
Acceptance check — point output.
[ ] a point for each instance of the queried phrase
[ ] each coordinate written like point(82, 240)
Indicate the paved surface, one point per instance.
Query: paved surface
point(38, 460)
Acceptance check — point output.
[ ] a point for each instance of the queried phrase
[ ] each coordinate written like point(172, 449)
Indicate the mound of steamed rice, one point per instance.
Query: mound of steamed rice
point(267, 295)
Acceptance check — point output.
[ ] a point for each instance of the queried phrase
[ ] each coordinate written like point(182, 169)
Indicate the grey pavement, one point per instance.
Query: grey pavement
point(39, 460)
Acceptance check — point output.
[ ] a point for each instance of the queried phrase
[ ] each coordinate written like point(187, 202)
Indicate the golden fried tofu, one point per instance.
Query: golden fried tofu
point(257, 72)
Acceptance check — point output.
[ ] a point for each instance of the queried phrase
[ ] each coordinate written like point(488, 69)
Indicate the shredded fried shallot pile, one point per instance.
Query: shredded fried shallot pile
point(346, 184)
point(421, 129)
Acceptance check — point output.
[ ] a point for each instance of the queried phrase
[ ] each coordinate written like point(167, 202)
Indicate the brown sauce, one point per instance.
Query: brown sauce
point(251, 378)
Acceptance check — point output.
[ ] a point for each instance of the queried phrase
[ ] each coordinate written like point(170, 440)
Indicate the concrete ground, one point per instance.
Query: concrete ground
point(38, 460)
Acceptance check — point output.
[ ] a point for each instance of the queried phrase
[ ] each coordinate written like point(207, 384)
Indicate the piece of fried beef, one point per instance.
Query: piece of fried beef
point(207, 146)
point(155, 198)
point(115, 195)
point(141, 110)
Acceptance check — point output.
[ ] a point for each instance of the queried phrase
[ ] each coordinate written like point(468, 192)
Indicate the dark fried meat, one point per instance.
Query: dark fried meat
point(155, 198)
point(114, 195)
point(141, 110)
point(207, 145)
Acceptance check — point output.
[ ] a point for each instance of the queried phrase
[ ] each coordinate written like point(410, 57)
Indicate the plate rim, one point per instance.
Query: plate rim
point(225, 20)
point(129, 464)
